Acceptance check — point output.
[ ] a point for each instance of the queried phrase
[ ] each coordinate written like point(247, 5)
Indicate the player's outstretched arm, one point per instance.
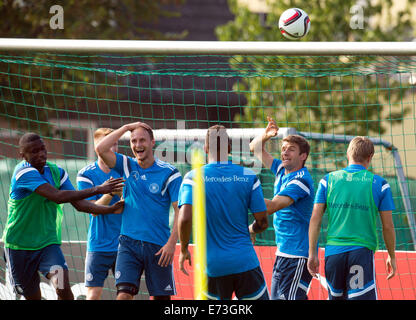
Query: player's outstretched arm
point(97, 209)
point(108, 197)
point(314, 229)
point(257, 146)
point(389, 237)
point(184, 235)
point(63, 196)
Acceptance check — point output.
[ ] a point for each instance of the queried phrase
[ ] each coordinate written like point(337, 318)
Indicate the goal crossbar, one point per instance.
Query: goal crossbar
point(210, 47)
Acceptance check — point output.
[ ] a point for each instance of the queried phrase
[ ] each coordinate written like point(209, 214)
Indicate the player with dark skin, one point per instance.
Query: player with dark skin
point(33, 150)
point(35, 153)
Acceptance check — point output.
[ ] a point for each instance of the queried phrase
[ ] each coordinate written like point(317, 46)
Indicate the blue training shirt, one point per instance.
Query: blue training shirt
point(382, 196)
point(26, 179)
point(231, 191)
point(291, 224)
point(148, 194)
point(103, 230)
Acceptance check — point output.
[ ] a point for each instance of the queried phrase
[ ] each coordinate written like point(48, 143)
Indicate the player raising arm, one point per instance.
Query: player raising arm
point(32, 235)
point(292, 207)
point(353, 198)
point(151, 188)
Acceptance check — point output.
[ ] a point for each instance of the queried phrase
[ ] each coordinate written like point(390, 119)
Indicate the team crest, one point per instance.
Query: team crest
point(154, 188)
point(89, 277)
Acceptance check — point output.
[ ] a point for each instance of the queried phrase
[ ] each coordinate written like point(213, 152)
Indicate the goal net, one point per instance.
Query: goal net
point(65, 96)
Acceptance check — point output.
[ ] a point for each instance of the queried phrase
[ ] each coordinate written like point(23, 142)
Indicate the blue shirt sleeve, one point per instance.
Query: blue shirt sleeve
point(174, 184)
point(275, 165)
point(65, 181)
point(122, 164)
point(257, 203)
point(296, 189)
point(185, 190)
point(30, 180)
point(384, 195)
point(320, 196)
point(85, 182)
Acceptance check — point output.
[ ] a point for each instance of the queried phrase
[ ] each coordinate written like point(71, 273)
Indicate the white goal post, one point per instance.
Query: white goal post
point(234, 48)
point(210, 47)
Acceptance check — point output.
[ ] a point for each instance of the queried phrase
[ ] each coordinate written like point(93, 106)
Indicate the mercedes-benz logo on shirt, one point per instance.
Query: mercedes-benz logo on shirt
point(154, 187)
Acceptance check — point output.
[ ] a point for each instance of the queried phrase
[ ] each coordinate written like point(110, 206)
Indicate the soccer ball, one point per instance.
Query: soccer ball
point(294, 23)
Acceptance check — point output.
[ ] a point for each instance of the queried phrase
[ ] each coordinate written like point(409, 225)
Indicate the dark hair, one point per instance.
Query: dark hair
point(28, 138)
point(215, 135)
point(303, 144)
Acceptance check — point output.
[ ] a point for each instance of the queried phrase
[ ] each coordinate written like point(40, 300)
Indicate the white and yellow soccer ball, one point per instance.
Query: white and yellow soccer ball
point(294, 23)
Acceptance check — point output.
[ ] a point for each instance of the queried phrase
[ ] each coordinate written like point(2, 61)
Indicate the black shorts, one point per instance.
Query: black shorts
point(23, 267)
point(248, 285)
point(290, 279)
point(351, 275)
point(135, 257)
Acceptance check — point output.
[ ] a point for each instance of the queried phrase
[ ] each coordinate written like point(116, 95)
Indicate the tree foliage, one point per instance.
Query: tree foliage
point(345, 95)
point(85, 19)
point(35, 86)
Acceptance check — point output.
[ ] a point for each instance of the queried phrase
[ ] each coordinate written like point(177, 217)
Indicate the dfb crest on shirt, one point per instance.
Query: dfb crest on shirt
point(153, 187)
